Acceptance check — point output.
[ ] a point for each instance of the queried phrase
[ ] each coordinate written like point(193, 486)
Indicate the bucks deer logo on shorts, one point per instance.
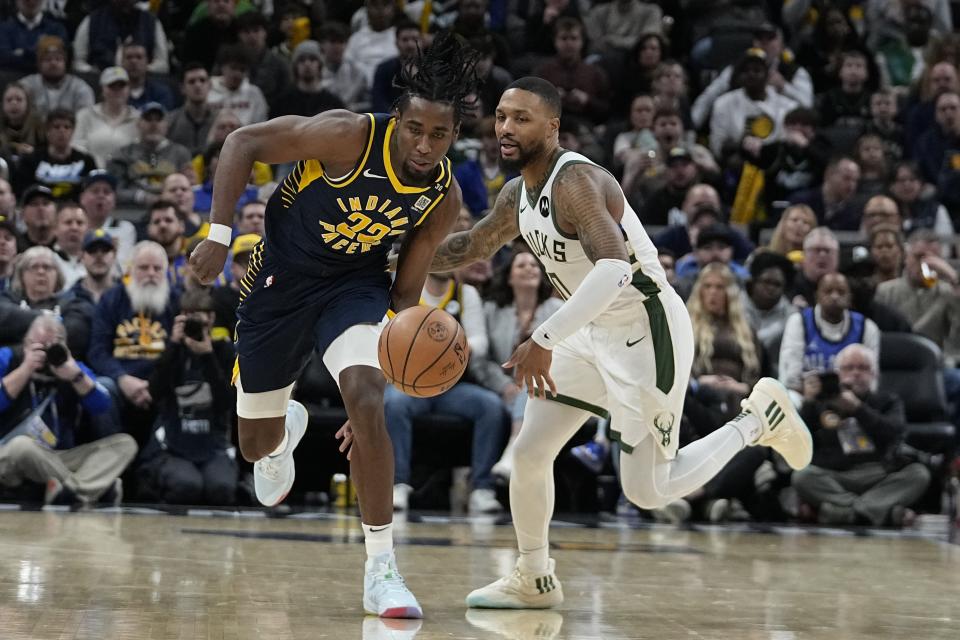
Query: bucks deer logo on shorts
point(437, 331)
point(663, 423)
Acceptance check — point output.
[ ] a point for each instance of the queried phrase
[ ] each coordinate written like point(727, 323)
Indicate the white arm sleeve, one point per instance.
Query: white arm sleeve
point(597, 291)
point(473, 321)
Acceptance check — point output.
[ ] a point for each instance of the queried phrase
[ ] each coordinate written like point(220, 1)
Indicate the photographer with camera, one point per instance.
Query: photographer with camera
point(856, 475)
point(188, 459)
point(46, 397)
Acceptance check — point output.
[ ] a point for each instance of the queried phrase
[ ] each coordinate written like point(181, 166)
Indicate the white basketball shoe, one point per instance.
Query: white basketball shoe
point(520, 590)
point(783, 429)
point(385, 594)
point(273, 475)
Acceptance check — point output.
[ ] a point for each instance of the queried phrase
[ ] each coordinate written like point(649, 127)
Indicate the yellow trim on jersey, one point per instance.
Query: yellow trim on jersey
point(446, 187)
point(236, 371)
point(398, 186)
point(339, 183)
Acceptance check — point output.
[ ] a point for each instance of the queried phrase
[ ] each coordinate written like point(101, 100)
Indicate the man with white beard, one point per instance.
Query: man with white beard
point(130, 328)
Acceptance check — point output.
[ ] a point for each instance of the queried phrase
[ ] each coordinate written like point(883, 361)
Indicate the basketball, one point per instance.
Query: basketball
point(423, 351)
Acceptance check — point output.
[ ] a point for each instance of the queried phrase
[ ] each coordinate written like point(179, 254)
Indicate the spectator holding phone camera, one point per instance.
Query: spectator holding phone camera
point(46, 399)
point(188, 459)
point(814, 337)
point(856, 429)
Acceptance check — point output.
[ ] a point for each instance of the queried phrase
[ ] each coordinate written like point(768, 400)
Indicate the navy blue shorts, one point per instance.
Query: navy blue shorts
point(284, 316)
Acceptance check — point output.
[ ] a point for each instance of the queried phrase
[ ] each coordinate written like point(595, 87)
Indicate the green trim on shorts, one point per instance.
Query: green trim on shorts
point(575, 403)
point(615, 435)
point(659, 330)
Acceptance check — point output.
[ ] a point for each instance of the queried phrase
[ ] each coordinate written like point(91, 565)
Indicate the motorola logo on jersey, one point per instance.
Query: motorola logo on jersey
point(368, 222)
point(544, 247)
point(544, 205)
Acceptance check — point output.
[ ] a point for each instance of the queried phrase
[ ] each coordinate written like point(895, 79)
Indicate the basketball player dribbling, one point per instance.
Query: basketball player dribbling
point(318, 280)
point(621, 344)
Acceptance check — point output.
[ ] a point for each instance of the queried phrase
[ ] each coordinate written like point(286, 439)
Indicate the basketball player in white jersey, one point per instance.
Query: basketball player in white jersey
point(621, 344)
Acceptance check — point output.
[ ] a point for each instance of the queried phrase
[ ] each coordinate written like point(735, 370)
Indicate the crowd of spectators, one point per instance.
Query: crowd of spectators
point(796, 163)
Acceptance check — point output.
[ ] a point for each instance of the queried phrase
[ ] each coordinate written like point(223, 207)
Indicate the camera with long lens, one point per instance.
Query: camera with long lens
point(57, 355)
point(194, 328)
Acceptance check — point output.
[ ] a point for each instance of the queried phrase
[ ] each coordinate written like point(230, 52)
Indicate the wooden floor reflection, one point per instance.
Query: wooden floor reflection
point(109, 576)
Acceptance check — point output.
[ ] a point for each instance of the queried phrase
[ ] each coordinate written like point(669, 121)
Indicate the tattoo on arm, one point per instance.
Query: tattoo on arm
point(493, 231)
point(579, 197)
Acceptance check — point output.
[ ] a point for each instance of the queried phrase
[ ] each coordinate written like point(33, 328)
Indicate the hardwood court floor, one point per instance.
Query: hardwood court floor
point(111, 576)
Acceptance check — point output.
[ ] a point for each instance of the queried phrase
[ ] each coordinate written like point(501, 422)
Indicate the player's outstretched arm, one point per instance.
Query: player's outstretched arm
point(587, 199)
point(493, 231)
point(418, 250)
point(335, 138)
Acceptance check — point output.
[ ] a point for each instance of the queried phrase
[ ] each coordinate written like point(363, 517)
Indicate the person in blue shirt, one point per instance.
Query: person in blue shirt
point(46, 436)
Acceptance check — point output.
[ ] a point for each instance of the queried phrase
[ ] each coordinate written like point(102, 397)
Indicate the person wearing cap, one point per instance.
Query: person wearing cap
point(232, 90)
point(20, 33)
point(744, 119)
point(143, 89)
point(99, 199)
point(99, 263)
point(714, 244)
point(52, 87)
point(57, 164)
point(95, 44)
point(8, 250)
point(227, 298)
point(39, 213)
point(787, 77)
point(701, 208)
point(71, 227)
point(142, 166)
point(108, 126)
point(268, 70)
point(680, 175)
point(306, 97)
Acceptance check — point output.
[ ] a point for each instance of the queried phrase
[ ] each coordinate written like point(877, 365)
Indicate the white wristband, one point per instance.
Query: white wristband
point(221, 234)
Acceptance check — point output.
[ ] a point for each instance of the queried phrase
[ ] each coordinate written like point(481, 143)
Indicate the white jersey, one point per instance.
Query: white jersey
point(563, 256)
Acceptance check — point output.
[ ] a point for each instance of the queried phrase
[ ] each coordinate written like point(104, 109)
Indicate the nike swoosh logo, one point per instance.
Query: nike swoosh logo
point(367, 174)
point(630, 344)
point(372, 530)
point(523, 208)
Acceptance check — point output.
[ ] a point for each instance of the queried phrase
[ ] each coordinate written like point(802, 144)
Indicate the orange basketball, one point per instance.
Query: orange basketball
point(423, 351)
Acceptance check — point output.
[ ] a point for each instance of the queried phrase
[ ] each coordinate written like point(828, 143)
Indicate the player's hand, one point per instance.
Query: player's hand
point(346, 433)
point(531, 364)
point(207, 260)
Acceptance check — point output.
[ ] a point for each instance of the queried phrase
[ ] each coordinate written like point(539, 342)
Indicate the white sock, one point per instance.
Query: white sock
point(535, 560)
point(378, 539)
point(749, 427)
point(283, 444)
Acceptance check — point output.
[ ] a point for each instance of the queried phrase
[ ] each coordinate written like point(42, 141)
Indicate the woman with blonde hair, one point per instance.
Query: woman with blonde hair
point(795, 223)
point(727, 356)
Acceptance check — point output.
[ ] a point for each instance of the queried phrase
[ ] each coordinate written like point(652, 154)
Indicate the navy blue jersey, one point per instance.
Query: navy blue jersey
point(319, 225)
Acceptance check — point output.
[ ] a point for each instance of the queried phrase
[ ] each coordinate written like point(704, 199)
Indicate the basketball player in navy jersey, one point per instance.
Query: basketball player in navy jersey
point(318, 280)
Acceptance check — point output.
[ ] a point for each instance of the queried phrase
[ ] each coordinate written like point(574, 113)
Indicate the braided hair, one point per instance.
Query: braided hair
point(446, 72)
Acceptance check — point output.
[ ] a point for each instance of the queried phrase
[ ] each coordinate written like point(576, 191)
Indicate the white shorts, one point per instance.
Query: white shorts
point(355, 346)
point(636, 373)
